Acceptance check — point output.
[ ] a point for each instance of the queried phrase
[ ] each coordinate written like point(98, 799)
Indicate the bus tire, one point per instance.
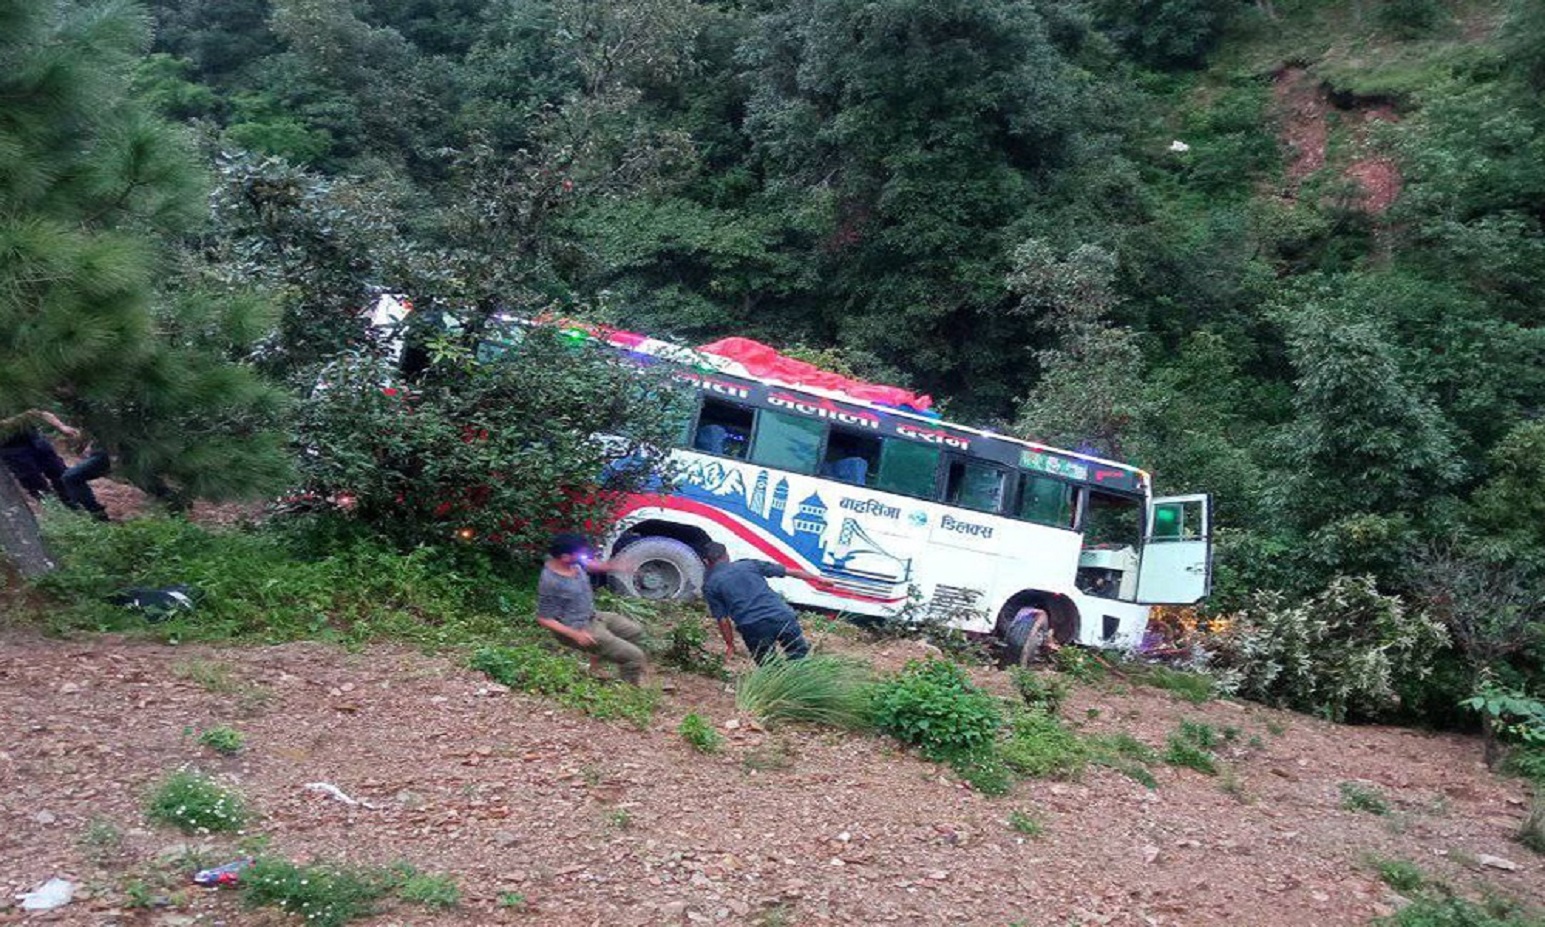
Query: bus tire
point(662, 569)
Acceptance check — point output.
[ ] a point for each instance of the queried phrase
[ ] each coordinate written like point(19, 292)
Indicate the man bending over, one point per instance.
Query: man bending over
point(740, 599)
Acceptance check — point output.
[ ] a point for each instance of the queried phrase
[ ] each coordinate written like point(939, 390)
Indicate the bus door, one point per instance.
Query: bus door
point(1177, 552)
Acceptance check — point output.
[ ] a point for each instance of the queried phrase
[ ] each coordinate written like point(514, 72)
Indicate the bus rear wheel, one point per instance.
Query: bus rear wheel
point(663, 569)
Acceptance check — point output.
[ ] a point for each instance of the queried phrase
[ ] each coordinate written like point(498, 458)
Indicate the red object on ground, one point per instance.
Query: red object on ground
point(763, 361)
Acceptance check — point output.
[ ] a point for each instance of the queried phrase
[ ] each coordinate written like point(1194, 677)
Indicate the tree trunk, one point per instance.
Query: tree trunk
point(21, 544)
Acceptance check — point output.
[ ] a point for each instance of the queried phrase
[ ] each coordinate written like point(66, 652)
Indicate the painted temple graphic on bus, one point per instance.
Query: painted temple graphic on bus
point(844, 552)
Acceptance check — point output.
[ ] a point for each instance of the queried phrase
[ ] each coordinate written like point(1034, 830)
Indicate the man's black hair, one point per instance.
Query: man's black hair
point(567, 543)
point(713, 551)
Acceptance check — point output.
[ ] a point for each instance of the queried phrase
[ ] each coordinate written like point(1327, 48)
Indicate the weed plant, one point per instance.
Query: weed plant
point(1039, 746)
point(686, 649)
point(1450, 911)
point(985, 771)
point(1080, 664)
point(1358, 797)
point(223, 740)
point(1193, 687)
point(1125, 754)
point(196, 804)
point(540, 671)
point(431, 891)
point(1040, 691)
point(320, 895)
point(696, 731)
point(513, 900)
point(773, 756)
point(1401, 875)
point(1199, 733)
point(821, 689)
point(1180, 750)
point(1026, 824)
point(934, 706)
point(102, 840)
point(1531, 833)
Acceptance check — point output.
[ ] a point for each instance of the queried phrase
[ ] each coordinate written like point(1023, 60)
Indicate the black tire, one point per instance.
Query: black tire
point(663, 568)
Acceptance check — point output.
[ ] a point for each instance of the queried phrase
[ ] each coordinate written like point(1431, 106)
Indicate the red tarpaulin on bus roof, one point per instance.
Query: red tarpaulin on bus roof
point(763, 361)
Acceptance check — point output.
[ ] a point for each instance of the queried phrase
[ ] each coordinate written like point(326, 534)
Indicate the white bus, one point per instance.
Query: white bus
point(902, 512)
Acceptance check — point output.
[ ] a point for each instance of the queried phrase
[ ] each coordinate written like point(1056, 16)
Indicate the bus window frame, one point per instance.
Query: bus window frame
point(820, 445)
point(941, 487)
point(690, 444)
point(1075, 504)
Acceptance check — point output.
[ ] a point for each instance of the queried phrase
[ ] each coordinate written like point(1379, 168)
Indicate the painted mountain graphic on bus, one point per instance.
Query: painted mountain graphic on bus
point(844, 553)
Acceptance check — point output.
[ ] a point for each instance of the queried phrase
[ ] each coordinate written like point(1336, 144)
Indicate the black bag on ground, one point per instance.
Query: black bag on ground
point(157, 604)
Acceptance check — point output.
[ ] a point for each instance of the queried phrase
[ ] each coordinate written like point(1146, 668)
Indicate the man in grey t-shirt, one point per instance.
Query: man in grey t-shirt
point(565, 605)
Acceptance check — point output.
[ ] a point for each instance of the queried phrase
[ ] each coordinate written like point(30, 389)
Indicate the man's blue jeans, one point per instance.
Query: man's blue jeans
point(765, 637)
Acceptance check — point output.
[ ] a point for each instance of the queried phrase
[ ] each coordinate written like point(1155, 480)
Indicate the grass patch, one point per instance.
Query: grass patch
point(326, 895)
point(696, 731)
point(820, 689)
point(934, 706)
point(1193, 687)
point(1191, 747)
point(1450, 911)
point(101, 841)
point(512, 900)
point(1358, 797)
point(225, 741)
point(986, 772)
point(1040, 746)
point(1040, 691)
point(431, 891)
point(773, 756)
point(1080, 664)
point(221, 679)
point(686, 649)
point(1022, 823)
point(1203, 735)
point(561, 676)
point(196, 804)
point(1531, 833)
point(1401, 875)
point(1125, 754)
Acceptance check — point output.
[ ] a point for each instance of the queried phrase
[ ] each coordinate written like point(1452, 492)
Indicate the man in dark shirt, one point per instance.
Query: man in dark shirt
point(740, 599)
point(565, 605)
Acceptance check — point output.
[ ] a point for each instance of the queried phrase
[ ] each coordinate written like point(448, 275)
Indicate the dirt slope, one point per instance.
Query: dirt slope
point(600, 823)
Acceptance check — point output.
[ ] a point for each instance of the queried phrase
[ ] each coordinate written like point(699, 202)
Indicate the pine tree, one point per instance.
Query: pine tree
point(93, 190)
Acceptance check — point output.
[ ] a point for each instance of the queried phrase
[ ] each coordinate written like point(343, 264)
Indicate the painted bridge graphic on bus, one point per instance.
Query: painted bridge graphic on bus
point(846, 555)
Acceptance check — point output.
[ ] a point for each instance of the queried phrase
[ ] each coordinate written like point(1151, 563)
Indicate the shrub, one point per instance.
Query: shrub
point(223, 740)
point(320, 895)
point(1080, 664)
point(196, 804)
point(1411, 19)
point(1199, 733)
point(934, 706)
point(1457, 912)
point(488, 452)
point(686, 649)
point(1193, 687)
point(1181, 752)
point(1531, 833)
point(985, 771)
point(1040, 691)
point(1358, 797)
point(540, 671)
point(1039, 746)
point(700, 734)
point(1336, 654)
point(821, 689)
point(431, 891)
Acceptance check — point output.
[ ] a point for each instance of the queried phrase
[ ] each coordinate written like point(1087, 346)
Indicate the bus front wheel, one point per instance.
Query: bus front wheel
point(662, 568)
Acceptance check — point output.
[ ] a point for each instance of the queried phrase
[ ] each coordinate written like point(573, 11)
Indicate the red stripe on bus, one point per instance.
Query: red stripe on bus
point(742, 531)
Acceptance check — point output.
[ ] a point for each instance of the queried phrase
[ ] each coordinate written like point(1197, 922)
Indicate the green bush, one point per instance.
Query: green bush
point(696, 731)
point(1039, 746)
point(1026, 824)
point(1457, 912)
point(1193, 687)
point(1411, 19)
point(934, 706)
point(431, 891)
point(540, 671)
point(1040, 691)
point(985, 771)
point(1189, 747)
point(1401, 875)
point(820, 689)
point(320, 895)
point(1199, 733)
point(1080, 664)
point(686, 649)
point(196, 804)
point(223, 740)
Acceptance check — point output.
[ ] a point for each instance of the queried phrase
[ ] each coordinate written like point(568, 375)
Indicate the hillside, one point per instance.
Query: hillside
point(592, 822)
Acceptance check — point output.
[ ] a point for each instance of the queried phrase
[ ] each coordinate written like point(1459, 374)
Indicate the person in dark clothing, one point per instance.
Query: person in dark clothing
point(565, 605)
point(739, 599)
point(39, 469)
point(77, 480)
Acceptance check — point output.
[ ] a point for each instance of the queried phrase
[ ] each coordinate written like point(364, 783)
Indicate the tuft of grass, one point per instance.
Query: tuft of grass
point(1125, 754)
point(1358, 797)
point(1451, 911)
point(1079, 664)
point(1182, 751)
point(102, 840)
point(221, 679)
point(696, 731)
point(1199, 733)
point(321, 895)
point(1531, 833)
point(985, 771)
point(196, 804)
point(431, 891)
point(514, 900)
point(620, 818)
point(820, 690)
point(1026, 824)
point(1193, 687)
point(1040, 746)
point(540, 671)
point(1040, 691)
point(1276, 728)
point(1401, 875)
point(225, 741)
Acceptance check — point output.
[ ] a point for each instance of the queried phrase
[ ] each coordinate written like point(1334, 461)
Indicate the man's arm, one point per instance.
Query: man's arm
point(777, 570)
point(49, 418)
point(720, 612)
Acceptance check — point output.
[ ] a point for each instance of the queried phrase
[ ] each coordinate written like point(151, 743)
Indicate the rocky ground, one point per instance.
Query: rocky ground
point(586, 822)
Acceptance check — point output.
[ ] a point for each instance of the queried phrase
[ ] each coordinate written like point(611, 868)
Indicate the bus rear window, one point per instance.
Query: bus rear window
point(787, 442)
point(907, 468)
point(1045, 501)
point(723, 429)
point(975, 486)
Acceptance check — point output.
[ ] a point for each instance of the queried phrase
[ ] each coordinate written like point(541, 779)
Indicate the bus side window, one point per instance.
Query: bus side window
point(787, 442)
point(851, 457)
point(1044, 501)
point(723, 430)
point(907, 468)
point(975, 486)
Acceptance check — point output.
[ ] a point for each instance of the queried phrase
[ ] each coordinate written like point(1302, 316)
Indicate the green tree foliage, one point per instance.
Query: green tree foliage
point(500, 452)
point(92, 186)
point(1167, 33)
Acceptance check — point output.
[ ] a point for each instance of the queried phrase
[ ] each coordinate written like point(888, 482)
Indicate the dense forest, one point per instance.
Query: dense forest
point(1287, 252)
